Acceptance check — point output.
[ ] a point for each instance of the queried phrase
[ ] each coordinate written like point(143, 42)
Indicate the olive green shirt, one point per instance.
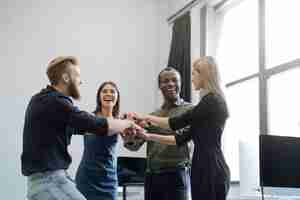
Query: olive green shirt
point(162, 157)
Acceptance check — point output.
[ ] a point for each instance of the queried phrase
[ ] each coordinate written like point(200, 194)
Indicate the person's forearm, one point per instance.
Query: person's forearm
point(85, 122)
point(118, 125)
point(163, 139)
point(162, 122)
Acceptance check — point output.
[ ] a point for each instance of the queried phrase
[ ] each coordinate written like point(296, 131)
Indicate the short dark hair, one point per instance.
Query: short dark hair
point(116, 109)
point(167, 69)
point(58, 66)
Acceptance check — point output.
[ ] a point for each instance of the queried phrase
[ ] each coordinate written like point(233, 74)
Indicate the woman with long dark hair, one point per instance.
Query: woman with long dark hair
point(96, 177)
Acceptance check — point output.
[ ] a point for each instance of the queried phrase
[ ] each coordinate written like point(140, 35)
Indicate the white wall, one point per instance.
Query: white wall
point(175, 5)
point(125, 41)
point(164, 48)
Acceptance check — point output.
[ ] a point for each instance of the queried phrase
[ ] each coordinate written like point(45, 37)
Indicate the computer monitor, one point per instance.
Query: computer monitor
point(279, 158)
point(131, 170)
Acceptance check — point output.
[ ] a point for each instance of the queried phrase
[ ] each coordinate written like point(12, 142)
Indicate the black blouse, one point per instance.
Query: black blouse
point(210, 173)
point(209, 115)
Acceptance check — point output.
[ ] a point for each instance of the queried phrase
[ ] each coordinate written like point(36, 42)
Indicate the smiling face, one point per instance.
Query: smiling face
point(170, 84)
point(108, 98)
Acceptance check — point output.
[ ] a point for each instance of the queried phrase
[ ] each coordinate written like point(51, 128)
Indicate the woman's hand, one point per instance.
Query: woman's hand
point(140, 119)
point(143, 135)
point(129, 134)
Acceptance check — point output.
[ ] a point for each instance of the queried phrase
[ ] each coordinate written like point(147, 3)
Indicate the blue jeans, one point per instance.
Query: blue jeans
point(52, 185)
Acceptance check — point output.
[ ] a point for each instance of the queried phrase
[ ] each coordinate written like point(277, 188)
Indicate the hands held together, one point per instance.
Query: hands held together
point(137, 128)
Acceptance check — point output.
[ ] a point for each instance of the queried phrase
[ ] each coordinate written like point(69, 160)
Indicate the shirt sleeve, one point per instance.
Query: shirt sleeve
point(209, 108)
point(80, 120)
point(198, 113)
point(183, 136)
point(181, 121)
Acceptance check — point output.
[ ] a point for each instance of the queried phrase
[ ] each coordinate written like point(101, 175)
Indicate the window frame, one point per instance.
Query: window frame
point(263, 73)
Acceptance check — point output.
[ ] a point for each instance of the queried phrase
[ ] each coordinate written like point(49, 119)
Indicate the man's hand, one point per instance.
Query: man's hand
point(142, 134)
point(139, 119)
point(129, 134)
point(120, 125)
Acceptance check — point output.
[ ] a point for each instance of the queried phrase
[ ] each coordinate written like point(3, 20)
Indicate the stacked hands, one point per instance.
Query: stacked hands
point(138, 128)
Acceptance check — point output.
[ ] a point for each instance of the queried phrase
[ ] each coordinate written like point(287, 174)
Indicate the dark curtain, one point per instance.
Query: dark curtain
point(180, 53)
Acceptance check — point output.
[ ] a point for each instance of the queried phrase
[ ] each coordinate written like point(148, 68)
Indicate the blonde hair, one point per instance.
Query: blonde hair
point(212, 74)
point(58, 66)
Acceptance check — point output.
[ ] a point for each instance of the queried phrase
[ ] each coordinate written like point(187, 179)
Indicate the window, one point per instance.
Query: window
point(242, 124)
point(237, 56)
point(282, 61)
point(254, 39)
point(284, 108)
point(282, 31)
point(238, 48)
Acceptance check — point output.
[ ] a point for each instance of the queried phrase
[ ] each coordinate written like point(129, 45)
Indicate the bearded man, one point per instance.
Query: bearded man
point(50, 121)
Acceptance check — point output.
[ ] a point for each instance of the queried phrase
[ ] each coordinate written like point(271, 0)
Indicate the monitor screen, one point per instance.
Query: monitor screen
point(279, 161)
point(131, 170)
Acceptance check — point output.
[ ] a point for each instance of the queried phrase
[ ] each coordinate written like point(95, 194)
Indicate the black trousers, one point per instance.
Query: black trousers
point(168, 185)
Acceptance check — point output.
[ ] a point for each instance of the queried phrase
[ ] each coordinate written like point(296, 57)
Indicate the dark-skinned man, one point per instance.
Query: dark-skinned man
point(167, 173)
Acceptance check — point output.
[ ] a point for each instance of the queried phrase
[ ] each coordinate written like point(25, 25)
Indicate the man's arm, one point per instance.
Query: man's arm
point(86, 122)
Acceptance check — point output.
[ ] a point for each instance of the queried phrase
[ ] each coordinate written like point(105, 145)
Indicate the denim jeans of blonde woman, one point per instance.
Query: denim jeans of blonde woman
point(52, 185)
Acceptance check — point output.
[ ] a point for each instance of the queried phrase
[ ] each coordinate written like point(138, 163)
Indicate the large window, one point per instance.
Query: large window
point(282, 31)
point(237, 55)
point(257, 50)
point(238, 46)
point(256, 43)
point(282, 63)
point(242, 124)
point(284, 100)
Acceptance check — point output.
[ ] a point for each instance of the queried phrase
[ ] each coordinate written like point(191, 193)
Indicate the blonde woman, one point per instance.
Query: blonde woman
point(210, 174)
